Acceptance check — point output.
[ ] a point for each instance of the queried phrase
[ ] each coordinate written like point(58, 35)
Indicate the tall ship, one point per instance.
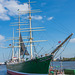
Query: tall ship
point(33, 65)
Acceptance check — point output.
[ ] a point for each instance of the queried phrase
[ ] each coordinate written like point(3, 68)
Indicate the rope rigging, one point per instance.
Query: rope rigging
point(64, 29)
point(64, 48)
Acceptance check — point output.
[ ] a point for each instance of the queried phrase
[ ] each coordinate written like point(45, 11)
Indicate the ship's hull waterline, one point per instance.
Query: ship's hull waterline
point(39, 66)
point(20, 73)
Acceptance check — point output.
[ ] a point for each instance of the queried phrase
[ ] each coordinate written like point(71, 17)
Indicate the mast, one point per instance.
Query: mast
point(62, 44)
point(19, 39)
point(13, 46)
point(30, 31)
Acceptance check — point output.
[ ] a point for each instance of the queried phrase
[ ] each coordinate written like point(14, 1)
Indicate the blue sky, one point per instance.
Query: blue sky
point(57, 16)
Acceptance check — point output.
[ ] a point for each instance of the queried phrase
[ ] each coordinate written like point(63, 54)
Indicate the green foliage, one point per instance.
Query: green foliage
point(68, 59)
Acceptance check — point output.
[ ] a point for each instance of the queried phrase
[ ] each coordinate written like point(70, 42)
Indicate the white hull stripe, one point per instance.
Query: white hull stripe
point(20, 73)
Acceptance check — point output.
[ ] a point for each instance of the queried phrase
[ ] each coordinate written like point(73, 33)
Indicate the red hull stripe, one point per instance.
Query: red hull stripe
point(20, 73)
point(14, 73)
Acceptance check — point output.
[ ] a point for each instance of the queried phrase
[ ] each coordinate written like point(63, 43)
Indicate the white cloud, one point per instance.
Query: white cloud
point(2, 37)
point(37, 17)
point(9, 8)
point(3, 12)
point(13, 6)
point(72, 40)
point(1, 0)
point(50, 18)
point(42, 4)
point(2, 9)
point(42, 21)
point(4, 17)
point(44, 16)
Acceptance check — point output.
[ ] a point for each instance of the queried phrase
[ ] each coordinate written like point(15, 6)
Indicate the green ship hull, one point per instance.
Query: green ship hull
point(35, 66)
point(69, 71)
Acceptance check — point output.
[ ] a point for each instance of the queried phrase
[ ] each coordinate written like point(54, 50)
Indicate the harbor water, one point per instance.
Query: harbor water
point(3, 70)
point(56, 65)
point(63, 65)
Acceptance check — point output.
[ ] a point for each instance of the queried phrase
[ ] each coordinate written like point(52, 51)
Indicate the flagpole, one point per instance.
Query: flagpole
point(13, 46)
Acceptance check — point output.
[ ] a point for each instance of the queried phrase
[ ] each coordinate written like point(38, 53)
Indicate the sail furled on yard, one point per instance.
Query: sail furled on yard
point(23, 50)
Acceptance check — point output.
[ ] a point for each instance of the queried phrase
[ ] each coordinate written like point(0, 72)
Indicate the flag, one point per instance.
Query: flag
point(59, 41)
point(9, 44)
